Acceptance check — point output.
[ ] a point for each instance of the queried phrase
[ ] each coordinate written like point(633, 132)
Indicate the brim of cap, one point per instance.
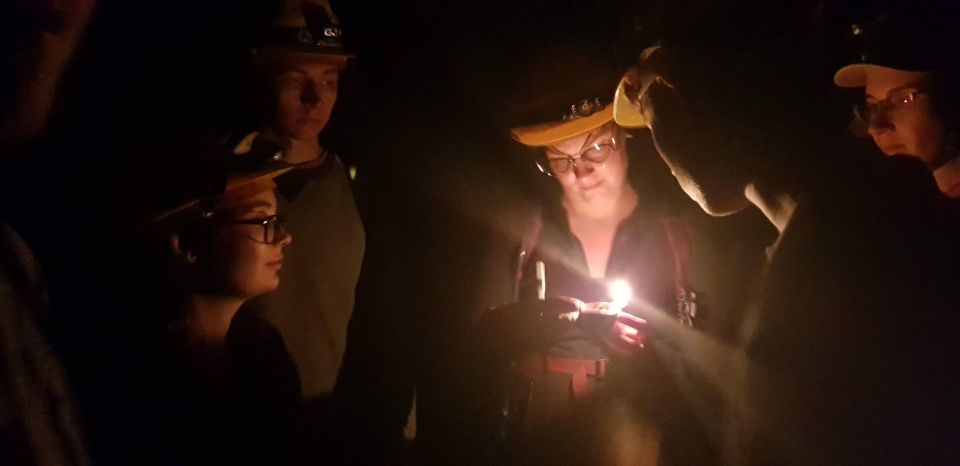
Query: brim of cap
point(329, 54)
point(856, 75)
point(233, 183)
point(626, 113)
point(251, 178)
point(546, 134)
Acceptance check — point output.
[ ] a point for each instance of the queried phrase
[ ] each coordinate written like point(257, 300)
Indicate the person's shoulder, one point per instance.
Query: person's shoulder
point(250, 329)
point(258, 344)
point(905, 174)
point(891, 206)
point(907, 189)
point(887, 187)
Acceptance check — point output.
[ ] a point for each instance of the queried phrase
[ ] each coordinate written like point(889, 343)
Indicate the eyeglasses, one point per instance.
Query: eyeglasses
point(273, 230)
point(896, 102)
point(594, 155)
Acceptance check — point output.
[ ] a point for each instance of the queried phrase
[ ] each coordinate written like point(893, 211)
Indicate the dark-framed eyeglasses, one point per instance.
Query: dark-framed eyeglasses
point(273, 230)
point(897, 102)
point(596, 154)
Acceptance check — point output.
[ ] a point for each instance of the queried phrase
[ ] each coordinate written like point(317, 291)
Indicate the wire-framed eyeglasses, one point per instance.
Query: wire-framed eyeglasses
point(596, 154)
point(896, 102)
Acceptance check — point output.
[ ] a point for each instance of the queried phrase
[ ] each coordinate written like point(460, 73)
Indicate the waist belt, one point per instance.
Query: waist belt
point(578, 369)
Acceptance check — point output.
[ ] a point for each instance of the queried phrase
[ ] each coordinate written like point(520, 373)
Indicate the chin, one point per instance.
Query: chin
point(721, 204)
point(714, 209)
point(715, 204)
point(265, 287)
point(300, 131)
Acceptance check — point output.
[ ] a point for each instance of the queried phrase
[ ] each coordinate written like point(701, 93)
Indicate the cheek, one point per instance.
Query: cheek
point(668, 152)
point(616, 168)
point(716, 192)
point(251, 258)
point(330, 97)
point(567, 180)
point(288, 104)
point(929, 132)
point(242, 266)
point(922, 135)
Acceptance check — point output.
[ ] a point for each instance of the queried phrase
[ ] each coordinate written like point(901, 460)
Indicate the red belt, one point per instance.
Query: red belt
point(578, 369)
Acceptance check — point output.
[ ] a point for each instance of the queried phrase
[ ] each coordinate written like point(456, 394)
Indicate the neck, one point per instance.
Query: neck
point(616, 208)
point(301, 151)
point(776, 204)
point(208, 318)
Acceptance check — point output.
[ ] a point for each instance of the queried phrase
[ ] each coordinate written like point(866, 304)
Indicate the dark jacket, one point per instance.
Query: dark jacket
point(847, 358)
point(239, 410)
point(420, 343)
point(39, 418)
point(638, 393)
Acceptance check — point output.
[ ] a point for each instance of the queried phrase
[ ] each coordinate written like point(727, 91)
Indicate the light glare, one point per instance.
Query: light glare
point(620, 293)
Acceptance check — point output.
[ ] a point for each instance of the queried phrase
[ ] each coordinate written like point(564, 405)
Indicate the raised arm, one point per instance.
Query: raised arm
point(37, 67)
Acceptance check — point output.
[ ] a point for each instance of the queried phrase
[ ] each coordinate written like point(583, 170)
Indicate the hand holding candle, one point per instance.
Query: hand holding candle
point(620, 296)
point(626, 334)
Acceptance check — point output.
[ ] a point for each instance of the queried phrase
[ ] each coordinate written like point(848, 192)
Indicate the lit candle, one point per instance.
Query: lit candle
point(620, 294)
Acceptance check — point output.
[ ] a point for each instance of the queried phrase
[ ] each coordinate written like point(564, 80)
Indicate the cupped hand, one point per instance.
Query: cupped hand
point(627, 334)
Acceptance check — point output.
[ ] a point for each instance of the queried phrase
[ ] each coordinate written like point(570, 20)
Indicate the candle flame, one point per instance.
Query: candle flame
point(620, 293)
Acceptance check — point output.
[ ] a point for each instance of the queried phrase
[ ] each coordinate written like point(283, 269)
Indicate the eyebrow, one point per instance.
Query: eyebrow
point(601, 139)
point(252, 207)
point(297, 69)
point(897, 89)
point(258, 205)
point(587, 143)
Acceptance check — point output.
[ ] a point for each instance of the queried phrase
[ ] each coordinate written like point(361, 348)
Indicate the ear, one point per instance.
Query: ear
point(178, 249)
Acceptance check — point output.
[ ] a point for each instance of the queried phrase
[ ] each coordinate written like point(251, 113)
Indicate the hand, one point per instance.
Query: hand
point(635, 88)
point(559, 307)
point(624, 334)
point(629, 332)
point(509, 330)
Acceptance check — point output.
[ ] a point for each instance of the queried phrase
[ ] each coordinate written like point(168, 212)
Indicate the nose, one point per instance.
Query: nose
point(582, 169)
point(287, 239)
point(311, 93)
point(878, 123)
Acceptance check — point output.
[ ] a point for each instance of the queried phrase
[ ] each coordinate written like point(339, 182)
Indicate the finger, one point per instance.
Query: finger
point(575, 303)
point(627, 330)
point(629, 319)
point(629, 341)
point(557, 305)
point(601, 308)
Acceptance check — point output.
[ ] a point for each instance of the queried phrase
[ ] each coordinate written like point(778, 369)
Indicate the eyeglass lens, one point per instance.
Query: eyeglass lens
point(595, 154)
point(273, 230)
point(896, 102)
